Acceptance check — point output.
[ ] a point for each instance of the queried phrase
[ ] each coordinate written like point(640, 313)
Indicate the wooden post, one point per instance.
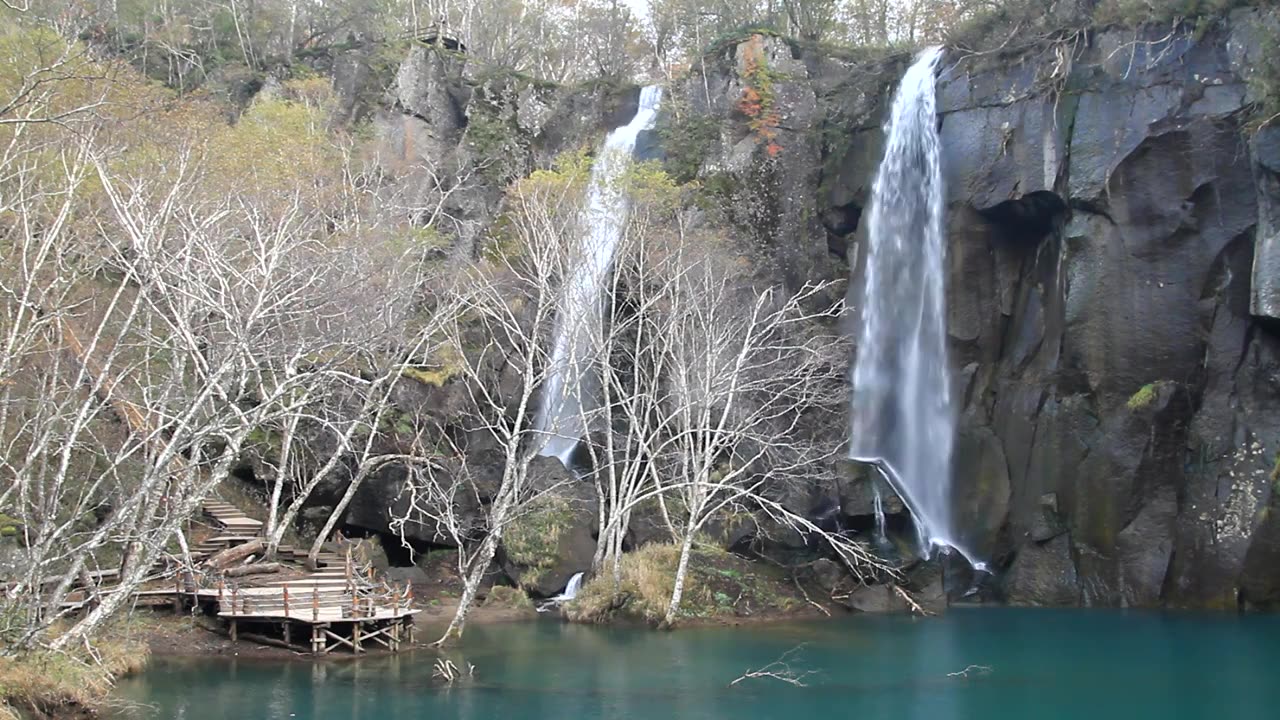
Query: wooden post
point(221, 586)
point(288, 640)
point(315, 603)
point(286, 600)
point(350, 581)
point(355, 636)
point(235, 595)
point(317, 640)
point(233, 629)
point(177, 594)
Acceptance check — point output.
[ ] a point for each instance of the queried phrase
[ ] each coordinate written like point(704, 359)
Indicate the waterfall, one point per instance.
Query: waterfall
point(569, 391)
point(902, 414)
point(881, 536)
point(570, 592)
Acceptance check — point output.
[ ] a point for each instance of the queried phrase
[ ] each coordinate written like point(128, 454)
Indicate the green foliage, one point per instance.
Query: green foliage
point(446, 364)
point(1138, 12)
point(277, 145)
point(733, 36)
point(686, 138)
point(1264, 80)
point(395, 421)
point(568, 175)
point(266, 438)
point(495, 141)
point(648, 184)
point(1144, 397)
point(533, 539)
point(430, 376)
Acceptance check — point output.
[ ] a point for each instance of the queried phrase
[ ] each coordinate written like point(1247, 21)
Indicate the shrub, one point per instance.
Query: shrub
point(717, 584)
point(759, 100)
point(49, 683)
point(501, 596)
point(1138, 12)
point(533, 539)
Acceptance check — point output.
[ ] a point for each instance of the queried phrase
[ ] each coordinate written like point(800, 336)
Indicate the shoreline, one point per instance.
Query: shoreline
point(184, 638)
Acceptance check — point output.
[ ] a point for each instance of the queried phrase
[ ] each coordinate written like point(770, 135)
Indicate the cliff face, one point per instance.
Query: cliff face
point(1113, 291)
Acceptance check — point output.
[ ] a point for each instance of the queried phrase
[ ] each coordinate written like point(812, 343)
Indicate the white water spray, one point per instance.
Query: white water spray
point(571, 386)
point(570, 592)
point(881, 536)
point(902, 414)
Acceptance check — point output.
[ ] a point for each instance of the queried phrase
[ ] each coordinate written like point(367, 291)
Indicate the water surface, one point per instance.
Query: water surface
point(1044, 664)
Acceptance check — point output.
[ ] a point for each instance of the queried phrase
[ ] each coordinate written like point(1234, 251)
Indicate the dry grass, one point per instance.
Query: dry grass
point(501, 596)
point(47, 683)
point(718, 584)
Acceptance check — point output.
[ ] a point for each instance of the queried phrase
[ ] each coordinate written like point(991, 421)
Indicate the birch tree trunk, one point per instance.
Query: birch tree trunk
point(682, 569)
point(470, 585)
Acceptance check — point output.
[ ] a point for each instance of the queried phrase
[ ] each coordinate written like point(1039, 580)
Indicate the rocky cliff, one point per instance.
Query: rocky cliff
point(1114, 272)
point(1114, 285)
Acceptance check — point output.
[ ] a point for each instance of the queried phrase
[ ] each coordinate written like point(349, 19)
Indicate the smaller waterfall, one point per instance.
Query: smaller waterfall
point(571, 589)
point(881, 537)
point(570, 592)
point(569, 392)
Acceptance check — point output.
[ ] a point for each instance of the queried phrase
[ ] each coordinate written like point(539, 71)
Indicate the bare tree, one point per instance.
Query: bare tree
point(155, 319)
point(501, 336)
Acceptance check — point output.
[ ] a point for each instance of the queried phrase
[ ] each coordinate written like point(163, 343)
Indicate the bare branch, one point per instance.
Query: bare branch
point(780, 670)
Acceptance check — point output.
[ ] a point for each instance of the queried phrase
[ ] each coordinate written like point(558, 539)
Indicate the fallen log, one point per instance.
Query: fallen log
point(259, 569)
point(230, 556)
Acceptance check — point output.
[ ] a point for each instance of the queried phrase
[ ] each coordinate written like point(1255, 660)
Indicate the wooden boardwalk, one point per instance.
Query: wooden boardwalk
point(342, 608)
point(338, 606)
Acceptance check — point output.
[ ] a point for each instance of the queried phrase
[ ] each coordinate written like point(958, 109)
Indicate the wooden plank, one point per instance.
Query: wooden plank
point(340, 640)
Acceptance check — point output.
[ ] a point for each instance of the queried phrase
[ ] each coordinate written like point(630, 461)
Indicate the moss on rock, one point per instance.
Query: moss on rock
point(532, 541)
point(718, 584)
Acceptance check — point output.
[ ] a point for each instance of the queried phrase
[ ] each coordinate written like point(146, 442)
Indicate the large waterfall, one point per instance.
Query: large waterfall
point(571, 384)
point(902, 414)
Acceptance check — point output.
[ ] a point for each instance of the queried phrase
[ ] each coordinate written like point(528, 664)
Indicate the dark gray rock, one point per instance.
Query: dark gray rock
point(875, 599)
point(412, 575)
point(1117, 418)
point(981, 491)
point(828, 574)
point(1043, 575)
point(1117, 364)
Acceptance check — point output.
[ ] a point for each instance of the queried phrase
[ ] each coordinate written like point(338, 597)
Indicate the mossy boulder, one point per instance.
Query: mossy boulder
point(551, 540)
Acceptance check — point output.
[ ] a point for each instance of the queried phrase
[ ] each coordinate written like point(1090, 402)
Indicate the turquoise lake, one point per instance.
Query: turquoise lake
point(1044, 664)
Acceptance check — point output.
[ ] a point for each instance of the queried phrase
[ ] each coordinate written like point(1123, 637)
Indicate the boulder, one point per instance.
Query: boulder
point(554, 537)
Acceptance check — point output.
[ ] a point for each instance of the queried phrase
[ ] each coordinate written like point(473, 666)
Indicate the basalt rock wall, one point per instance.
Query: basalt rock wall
point(1113, 290)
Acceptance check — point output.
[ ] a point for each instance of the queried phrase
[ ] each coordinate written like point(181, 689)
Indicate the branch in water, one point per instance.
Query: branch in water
point(780, 670)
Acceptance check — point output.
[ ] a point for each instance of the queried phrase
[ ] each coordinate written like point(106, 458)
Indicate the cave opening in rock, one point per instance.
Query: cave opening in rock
point(841, 222)
point(1027, 220)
